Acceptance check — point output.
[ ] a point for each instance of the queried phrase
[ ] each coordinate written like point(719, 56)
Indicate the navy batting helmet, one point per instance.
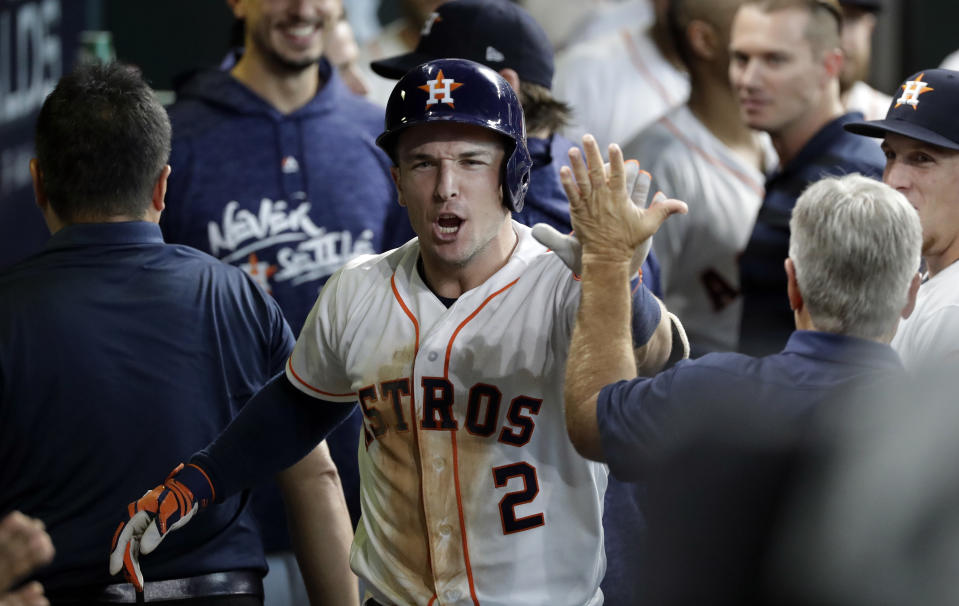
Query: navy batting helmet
point(457, 90)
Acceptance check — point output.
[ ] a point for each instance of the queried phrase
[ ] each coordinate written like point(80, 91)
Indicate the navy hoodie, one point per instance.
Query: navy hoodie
point(286, 198)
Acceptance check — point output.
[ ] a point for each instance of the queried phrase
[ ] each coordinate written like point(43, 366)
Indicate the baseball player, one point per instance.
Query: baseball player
point(454, 345)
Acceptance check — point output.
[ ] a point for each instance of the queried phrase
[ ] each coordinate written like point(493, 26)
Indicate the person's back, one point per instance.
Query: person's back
point(108, 331)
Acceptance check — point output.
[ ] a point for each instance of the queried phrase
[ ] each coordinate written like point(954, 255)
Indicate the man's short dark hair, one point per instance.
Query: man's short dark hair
point(825, 19)
point(102, 140)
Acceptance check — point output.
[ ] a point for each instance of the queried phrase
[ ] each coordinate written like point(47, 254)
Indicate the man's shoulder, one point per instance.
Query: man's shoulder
point(667, 140)
point(365, 271)
point(845, 152)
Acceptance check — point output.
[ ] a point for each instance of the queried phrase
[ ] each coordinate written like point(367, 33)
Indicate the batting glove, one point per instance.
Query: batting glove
point(568, 248)
point(162, 510)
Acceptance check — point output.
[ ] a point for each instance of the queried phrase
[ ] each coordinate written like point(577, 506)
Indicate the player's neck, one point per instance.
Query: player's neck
point(792, 138)
point(287, 92)
point(714, 104)
point(450, 281)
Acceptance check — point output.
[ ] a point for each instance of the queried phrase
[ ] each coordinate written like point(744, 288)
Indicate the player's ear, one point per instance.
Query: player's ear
point(832, 62)
point(395, 173)
point(703, 39)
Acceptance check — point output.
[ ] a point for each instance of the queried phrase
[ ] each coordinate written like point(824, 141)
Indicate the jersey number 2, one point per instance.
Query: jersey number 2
point(507, 505)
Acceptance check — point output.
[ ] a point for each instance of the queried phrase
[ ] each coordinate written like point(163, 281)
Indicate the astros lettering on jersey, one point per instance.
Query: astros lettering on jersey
point(471, 491)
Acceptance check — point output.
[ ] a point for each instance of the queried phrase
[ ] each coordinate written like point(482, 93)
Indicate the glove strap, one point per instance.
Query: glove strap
point(196, 480)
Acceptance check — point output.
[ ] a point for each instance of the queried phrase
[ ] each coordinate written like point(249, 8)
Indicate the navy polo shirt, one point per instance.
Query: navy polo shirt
point(121, 356)
point(767, 320)
point(636, 417)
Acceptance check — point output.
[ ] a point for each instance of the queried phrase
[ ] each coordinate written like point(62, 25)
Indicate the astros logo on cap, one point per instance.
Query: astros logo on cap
point(440, 90)
point(911, 91)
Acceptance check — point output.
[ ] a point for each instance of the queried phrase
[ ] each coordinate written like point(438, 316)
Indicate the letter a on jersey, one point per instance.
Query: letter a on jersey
point(440, 90)
point(911, 91)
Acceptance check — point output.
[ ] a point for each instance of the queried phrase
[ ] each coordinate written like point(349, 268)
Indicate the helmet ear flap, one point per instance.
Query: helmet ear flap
point(516, 177)
point(457, 90)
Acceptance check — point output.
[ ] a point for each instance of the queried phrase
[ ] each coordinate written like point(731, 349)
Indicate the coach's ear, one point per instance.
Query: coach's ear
point(792, 287)
point(395, 173)
point(913, 293)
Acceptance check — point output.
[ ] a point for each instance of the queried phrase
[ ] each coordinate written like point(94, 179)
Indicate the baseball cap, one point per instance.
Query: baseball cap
point(496, 33)
point(924, 108)
point(870, 5)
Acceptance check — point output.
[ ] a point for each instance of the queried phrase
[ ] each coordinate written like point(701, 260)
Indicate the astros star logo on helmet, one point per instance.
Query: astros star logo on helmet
point(911, 91)
point(440, 90)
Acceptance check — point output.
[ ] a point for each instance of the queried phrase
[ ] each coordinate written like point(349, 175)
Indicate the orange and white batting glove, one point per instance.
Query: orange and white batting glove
point(568, 248)
point(162, 510)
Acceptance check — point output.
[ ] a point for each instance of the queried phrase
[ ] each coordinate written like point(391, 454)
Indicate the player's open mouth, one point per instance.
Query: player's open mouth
point(448, 224)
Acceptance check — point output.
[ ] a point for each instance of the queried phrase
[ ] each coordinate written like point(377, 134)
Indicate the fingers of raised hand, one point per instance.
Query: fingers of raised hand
point(577, 165)
point(617, 171)
point(568, 181)
point(594, 161)
point(667, 206)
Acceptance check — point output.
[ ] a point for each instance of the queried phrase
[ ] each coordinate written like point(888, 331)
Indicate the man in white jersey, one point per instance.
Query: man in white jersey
point(921, 142)
point(704, 154)
point(454, 345)
point(621, 82)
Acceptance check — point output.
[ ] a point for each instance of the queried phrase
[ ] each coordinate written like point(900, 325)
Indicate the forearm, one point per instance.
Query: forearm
point(601, 349)
point(320, 528)
point(275, 429)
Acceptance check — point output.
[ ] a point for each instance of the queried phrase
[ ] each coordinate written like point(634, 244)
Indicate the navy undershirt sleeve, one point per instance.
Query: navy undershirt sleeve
point(276, 428)
point(646, 313)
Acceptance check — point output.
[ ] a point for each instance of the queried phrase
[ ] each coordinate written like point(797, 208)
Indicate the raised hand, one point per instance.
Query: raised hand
point(568, 248)
point(606, 221)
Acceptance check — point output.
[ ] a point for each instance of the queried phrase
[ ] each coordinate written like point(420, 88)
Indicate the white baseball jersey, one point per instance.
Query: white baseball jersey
point(471, 490)
point(617, 85)
point(698, 251)
point(929, 337)
point(863, 98)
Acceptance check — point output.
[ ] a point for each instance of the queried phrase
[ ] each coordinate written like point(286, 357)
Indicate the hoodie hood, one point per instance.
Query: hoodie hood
point(218, 88)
